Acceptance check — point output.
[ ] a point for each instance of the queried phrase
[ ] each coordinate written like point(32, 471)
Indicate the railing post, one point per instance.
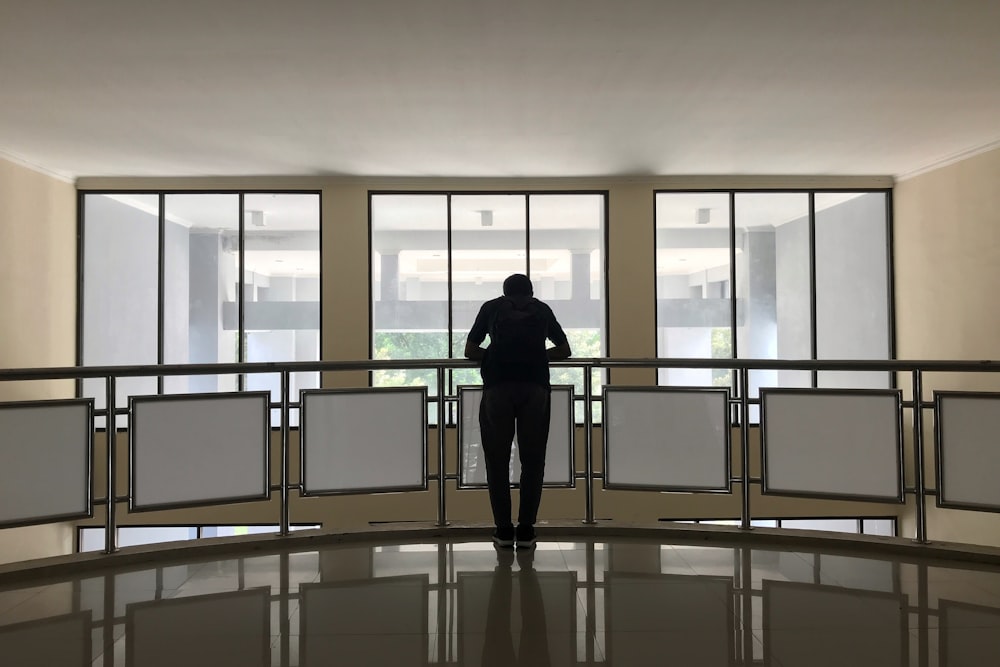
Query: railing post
point(744, 386)
point(918, 456)
point(110, 430)
point(284, 528)
point(442, 510)
point(588, 443)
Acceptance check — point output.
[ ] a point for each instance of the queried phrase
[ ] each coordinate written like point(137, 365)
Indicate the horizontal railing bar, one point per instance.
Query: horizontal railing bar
point(896, 365)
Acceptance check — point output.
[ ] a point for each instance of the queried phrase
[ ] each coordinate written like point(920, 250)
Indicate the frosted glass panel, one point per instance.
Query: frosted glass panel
point(969, 633)
point(669, 619)
point(191, 449)
point(368, 622)
point(559, 461)
point(35, 435)
point(832, 443)
point(224, 629)
point(669, 439)
point(845, 627)
point(968, 458)
point(368, 440)
point(62, 641)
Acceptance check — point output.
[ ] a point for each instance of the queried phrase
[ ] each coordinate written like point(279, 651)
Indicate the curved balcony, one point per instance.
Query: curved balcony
point(403, 526)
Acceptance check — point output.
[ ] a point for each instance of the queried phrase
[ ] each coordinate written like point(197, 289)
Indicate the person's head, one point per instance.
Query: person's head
point(517, 284)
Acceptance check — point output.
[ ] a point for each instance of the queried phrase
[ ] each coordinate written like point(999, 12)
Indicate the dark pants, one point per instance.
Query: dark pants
point(509, 407)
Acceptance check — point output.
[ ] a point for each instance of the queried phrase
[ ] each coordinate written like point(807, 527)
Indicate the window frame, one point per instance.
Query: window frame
point(162, 195)
point(732, 193)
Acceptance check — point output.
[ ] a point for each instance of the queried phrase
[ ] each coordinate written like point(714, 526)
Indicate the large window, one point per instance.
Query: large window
point(437, 257)
point(199, 278)
point(772, 275)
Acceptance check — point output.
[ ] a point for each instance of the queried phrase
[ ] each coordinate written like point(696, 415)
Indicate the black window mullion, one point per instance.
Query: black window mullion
point(734, 351)
point(813, 334)
point(890, 283)
point(81, 206)
point(442, 416)
point(161, 283)
point(371, 285)
point(241, 333)
point(527, 235)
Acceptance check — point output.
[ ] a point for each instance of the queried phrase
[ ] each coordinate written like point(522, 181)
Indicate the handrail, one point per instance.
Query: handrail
point(915, 368)
point(892, 365)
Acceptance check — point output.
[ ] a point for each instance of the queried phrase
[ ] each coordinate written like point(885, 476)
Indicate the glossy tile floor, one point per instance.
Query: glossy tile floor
point(619, 602)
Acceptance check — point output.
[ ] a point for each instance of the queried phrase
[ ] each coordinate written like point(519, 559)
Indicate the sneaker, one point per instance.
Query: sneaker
point(503, 536)
point(525, 536)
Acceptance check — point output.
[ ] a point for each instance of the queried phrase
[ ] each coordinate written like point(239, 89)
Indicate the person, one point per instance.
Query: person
point(516, 399)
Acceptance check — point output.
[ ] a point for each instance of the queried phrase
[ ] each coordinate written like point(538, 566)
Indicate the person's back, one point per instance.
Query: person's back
point(518, 331)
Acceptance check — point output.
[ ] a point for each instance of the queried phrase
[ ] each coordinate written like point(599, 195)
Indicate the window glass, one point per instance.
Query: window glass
point(566, 244)
point(200, 268)
point(120, 291)
point(409, 286)
point(773, 294)
point(200, 320)
point(852, 302)
point(693, 285)
point(281, 288)
point(488, 240)
point(436, 258)
point(773, 285)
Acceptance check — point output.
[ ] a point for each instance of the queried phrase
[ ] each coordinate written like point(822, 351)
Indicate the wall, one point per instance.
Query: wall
point(947, 269)
point(947, 261)
point(37, 310)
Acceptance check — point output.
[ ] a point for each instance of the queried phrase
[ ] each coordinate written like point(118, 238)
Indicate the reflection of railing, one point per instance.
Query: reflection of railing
point(840, 444)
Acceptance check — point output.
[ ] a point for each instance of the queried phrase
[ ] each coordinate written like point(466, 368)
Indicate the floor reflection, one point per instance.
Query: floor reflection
point(620, 602)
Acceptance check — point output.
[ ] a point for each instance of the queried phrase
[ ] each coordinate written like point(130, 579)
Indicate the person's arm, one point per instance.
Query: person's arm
point(558, 337)
point(473, 351)
point(559, 352)
point(477, 334)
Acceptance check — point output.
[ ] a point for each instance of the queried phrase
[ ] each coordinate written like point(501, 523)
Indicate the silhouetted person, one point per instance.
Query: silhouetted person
point(516, 399)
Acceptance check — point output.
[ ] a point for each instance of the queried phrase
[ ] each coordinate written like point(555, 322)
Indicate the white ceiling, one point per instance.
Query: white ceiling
point(517, 88)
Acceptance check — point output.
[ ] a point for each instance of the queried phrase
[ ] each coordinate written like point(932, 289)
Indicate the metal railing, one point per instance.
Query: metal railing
point(910, 373)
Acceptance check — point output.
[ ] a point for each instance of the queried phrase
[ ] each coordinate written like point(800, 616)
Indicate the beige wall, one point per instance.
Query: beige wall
point(37, 310)
point(947, 272)
point(947, 261)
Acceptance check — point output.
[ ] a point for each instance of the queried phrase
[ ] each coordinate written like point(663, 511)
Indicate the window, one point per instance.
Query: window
point(436, 257)
point(182, 278)
point(92, 539)
point(772, 275)
point(860, 526)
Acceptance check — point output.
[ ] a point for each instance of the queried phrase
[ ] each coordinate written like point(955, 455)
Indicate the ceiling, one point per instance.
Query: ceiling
point(485, 89)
